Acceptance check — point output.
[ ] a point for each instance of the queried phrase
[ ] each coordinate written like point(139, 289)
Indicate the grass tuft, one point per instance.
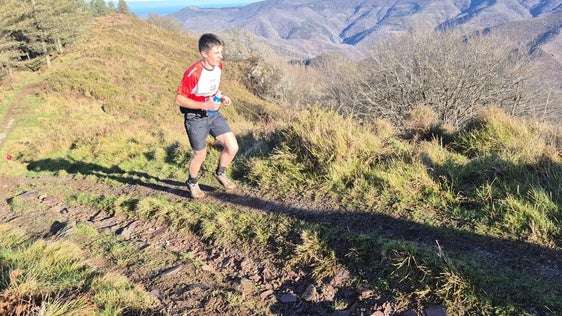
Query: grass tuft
point(54, 278)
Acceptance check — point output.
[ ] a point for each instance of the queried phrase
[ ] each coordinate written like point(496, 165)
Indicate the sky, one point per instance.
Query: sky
point(164, 7)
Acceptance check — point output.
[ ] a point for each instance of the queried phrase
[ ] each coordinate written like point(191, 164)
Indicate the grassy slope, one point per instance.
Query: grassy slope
point(118, 85)
point(105, 111)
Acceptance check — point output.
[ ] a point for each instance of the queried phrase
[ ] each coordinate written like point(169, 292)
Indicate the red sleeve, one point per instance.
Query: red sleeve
point(189, 82)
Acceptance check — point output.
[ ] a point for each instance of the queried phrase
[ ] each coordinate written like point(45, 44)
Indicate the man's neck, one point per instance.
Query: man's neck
point(206, 65)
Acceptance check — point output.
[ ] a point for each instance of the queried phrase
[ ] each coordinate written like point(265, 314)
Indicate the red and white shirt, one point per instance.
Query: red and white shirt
point(199, 83)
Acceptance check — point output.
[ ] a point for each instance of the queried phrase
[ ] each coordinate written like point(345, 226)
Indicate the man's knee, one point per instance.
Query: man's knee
point(233, 147)
point(229, 143)
point(199, 155)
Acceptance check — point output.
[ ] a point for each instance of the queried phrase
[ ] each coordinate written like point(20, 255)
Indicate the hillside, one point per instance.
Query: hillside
point(333, 216)
point(308, 28)
point(542, 33)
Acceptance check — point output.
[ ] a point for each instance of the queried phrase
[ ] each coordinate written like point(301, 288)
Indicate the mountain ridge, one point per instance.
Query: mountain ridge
point(307, 28)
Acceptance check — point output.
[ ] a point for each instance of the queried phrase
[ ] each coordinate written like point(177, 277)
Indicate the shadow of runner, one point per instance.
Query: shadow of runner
point(488, 253)
point(385, 226)
point(113, 173)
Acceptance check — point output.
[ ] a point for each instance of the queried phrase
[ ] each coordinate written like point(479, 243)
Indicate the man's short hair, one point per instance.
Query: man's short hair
point(208, 41)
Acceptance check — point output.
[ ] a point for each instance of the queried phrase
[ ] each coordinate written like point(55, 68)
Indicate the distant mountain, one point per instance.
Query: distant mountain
point(306, 28)
point(543, 32)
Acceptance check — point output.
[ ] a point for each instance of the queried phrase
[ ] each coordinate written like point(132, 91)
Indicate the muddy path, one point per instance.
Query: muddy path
point(188, 275)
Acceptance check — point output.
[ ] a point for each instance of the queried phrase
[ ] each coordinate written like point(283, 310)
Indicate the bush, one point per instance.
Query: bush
point(262, 78)
point(453, 74)
point(167, 23)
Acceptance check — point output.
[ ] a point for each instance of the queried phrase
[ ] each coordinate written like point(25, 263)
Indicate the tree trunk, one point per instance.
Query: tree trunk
point(60, 50)
point(47, 56)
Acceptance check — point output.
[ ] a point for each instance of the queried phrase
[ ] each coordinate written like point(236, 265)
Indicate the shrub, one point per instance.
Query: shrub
point(453, 74)
point(167, 23)
point(262, 77)
point(320, 148)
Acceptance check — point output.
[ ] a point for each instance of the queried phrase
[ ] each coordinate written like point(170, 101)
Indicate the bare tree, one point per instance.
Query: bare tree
point(453, 74)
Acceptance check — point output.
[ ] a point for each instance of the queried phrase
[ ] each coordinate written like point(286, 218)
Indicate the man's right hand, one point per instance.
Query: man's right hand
point(210, 105)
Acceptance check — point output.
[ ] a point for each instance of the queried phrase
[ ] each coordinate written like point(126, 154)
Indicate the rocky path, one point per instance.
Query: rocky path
point(186, 274)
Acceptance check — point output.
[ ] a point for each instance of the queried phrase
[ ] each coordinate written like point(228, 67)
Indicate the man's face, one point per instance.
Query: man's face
point(213, 56)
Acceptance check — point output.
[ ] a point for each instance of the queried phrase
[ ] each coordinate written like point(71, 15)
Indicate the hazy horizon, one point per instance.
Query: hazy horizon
point(165, 7)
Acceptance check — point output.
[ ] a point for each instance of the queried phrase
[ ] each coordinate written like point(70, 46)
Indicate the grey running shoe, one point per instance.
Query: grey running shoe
point(226, 182)
point(195, 191)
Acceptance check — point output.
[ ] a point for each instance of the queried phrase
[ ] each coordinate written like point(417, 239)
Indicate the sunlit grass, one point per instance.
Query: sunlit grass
point(55, 277)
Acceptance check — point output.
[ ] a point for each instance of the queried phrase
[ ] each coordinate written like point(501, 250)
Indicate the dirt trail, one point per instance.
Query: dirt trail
point(14, 109)
point(197, 285)
point(181, 285)
point(6, 126)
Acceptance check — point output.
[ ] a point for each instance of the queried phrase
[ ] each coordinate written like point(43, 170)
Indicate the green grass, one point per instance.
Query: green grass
point(481, 191)
point(429, 183)
point(461, 280)
point(56, 277)
point(503, 190)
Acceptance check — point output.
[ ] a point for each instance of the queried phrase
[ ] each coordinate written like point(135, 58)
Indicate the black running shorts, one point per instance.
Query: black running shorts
point(199, 127)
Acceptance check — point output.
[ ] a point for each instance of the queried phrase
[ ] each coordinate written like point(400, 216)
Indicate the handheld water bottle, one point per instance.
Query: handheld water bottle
point(217, 99)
